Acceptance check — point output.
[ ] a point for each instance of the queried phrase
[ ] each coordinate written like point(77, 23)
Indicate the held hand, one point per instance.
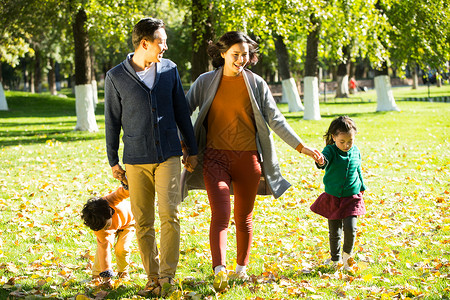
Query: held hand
point(190, 163)
point(185, 151)
point(125, 179)
point(119, 173)
point(314, 154)
point(321, 161)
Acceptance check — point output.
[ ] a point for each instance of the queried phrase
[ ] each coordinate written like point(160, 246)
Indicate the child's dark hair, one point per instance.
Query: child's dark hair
point(226, 41)
point(96, 212)
point(340, 124)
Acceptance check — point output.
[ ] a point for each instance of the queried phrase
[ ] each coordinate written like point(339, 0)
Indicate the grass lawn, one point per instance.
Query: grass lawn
point(48, 171)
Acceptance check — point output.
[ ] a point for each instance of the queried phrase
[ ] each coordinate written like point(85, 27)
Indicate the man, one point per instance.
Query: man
point(145, 98)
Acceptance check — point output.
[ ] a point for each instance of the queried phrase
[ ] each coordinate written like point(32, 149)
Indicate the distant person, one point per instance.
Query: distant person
point(144, 97)
point(342, 200)
point(236, 110)
point(110, 217)
point(353, 86)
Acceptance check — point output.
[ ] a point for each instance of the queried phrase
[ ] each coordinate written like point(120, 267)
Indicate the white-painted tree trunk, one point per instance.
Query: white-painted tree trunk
point(342, 85)
point(291, 96)
point(85, 108)
point(311, 98)
point(94, 93)
point(385, 96)
point(415, 80)
point(3, 103)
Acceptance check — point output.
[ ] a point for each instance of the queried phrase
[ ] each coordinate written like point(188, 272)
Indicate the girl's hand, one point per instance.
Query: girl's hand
point(321, 161)
point(314, 153)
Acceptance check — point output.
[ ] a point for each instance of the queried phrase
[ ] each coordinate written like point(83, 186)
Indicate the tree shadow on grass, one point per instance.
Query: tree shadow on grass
point(23, 104)
point(42, 137)
point(38, 123)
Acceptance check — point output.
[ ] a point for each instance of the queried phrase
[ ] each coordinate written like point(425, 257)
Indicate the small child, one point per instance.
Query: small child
point(110, 217)
point(342, 201)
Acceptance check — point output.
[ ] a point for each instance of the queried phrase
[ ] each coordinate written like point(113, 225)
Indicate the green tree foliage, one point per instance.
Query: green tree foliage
point(420, 32)
point(401, 31)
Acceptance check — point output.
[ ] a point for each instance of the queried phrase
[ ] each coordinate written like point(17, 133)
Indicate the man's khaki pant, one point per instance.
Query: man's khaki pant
point(144, 181)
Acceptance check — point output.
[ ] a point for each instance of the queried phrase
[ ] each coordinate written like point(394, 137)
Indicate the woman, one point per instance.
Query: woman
point(235, 145)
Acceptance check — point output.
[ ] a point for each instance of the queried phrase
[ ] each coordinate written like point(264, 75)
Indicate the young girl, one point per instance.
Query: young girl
point(342, 201)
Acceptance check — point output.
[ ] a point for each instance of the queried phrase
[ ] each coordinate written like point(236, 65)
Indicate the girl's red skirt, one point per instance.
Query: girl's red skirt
point(334, 208)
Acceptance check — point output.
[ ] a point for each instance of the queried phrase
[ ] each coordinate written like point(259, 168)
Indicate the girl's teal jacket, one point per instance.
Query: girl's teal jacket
point(343, 177)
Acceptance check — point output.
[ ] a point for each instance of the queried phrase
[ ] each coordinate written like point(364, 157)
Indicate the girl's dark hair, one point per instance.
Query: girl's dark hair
point(340, 124)
point(226, 41)
point(145, 29)
point(96, 212)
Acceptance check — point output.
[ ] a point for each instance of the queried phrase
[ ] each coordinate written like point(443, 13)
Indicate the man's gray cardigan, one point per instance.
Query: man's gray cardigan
point(201, 95)
point(150, 118)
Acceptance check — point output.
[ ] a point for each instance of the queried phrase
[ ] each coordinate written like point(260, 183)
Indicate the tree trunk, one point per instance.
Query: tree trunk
point(382, 82)
point(37, 71)
point(24, 65)
point(415, 78)
point(290, 91)
point(83, 87)
point(93, 79)
point(385, 96)
point(438, 79)
point(31, 75)
point(311, 84)
point(342, 74)
point(52, 77)
point(82, 54)
point(282, 57)
point(58, 76)
point(3, 103)
point(202, 33)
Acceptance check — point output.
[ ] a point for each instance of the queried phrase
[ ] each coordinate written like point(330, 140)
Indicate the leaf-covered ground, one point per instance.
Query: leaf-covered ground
point(48, 171)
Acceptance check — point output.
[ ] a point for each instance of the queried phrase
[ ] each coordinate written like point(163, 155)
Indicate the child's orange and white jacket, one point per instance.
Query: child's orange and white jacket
point(122, 218)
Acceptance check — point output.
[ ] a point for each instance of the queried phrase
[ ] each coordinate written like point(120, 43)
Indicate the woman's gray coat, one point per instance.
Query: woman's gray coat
point(266, 114)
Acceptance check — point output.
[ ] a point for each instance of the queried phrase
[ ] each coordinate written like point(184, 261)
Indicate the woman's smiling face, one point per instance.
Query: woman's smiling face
point(236, 57)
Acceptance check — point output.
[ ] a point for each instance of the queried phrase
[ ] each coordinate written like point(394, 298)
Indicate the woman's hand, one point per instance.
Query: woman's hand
point(314, 154)
point(190, 162)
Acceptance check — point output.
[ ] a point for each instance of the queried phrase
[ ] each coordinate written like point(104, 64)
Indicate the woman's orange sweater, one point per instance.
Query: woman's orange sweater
point(231, 125)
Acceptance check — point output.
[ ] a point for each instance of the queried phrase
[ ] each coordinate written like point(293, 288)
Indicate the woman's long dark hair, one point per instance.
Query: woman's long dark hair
point(340, 124)
point(226, 41)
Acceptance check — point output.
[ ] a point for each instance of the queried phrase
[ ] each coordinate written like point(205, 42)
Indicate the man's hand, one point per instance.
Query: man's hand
point(119, 173)
point(189, 162)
